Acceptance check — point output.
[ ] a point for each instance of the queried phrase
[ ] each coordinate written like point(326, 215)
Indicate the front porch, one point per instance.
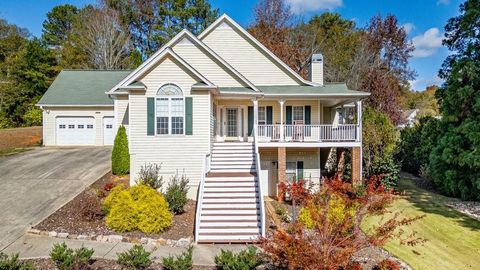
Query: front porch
point(307, 122)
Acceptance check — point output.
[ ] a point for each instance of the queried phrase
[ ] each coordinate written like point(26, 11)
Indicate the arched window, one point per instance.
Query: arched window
point(170, 110)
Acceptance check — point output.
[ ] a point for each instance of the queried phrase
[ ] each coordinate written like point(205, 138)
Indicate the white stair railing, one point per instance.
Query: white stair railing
point(205, 170)
point(259, 179)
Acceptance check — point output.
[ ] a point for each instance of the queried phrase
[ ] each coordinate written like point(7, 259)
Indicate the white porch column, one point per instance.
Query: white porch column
point(359, 121)
point(282, 137)
point(255, 118)
point(359, 136)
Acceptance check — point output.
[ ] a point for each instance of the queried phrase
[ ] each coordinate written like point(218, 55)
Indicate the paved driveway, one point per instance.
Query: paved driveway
point(35, 184)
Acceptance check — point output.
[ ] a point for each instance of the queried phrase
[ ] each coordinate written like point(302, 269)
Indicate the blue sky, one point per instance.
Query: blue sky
point(424, 20)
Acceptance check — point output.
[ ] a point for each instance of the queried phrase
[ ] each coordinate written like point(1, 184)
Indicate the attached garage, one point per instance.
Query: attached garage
point(75, 130)
point(76, 110)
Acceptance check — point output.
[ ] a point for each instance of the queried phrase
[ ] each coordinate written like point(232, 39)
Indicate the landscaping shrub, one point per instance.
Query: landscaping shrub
point(138, 207)
point(67, 258)
point(334, 215)
point(120, 153)
point(181, 262)
point(136, 257)
point(91, 207)
point(247, 259)
point(176, 193)
point(12, 263)
point(150, 175)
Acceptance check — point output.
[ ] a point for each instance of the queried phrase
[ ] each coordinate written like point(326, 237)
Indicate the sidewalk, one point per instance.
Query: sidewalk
point(35, 246)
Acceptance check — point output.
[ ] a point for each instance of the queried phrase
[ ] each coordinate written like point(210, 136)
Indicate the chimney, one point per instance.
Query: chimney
point(316, 69)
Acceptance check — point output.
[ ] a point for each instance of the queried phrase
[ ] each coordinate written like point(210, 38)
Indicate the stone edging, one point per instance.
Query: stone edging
point(113, 238)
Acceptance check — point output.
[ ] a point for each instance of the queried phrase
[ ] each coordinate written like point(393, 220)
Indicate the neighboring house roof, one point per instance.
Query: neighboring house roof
point(259, 45)
point(410, 113)
point(82, 87)
point(337, 89)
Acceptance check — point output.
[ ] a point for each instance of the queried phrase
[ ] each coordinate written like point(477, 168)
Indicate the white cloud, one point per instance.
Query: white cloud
point(408, 27)
point(301, 6)
point(443, 2)
point(427, 43)
point(421, 83)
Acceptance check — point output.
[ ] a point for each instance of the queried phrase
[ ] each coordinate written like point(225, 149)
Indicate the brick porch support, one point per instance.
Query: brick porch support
point(282, 165)
point(356, 166)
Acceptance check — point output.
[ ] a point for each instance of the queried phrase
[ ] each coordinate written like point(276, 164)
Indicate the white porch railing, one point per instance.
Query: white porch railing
point(308, 133)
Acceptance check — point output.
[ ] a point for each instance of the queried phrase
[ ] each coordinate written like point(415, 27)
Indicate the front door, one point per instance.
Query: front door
point(232, 124)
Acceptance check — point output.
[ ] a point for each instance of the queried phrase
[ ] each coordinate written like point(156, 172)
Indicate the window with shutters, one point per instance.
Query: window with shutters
point(262, 115)
point(170, 110)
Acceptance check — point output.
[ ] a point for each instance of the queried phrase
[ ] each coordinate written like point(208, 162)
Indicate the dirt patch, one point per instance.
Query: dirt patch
point(48, 264)
point(20, 137)
point(83, 215)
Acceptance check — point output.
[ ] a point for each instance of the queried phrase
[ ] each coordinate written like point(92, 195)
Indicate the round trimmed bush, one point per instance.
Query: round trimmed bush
point(138, 207)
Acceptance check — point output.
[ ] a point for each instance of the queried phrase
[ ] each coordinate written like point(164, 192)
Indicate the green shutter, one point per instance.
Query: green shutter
point(188, 116)
point(250, 120)
point(308, 115)
point(269, 115)
point(150, 116)
point(289, 115)
point(300, 170)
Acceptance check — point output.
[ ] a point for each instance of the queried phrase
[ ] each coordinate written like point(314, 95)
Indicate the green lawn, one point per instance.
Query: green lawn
point(453, 239)
point(13, 150)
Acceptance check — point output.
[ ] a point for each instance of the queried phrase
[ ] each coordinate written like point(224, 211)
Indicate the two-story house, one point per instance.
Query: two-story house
point(220, 108)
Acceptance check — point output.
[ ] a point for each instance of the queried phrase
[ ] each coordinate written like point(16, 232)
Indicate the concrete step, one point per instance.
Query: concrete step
point(217, 170)
point(227, 224)
point(236, 189)
point(230, 179)
point(227, 195)
point(232, 238)
point(234, 203)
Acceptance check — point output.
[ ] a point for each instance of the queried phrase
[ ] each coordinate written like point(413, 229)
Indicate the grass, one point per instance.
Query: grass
point(12, 151)
point(453, 239)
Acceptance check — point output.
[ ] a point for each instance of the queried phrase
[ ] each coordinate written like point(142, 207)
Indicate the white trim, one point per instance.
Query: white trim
point(254, 40)
point(309, 144)
point(73, 105)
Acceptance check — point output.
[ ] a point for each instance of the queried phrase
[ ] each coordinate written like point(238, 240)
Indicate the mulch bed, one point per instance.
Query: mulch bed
point(20, 137)
point(83, 215)
point(97, 264)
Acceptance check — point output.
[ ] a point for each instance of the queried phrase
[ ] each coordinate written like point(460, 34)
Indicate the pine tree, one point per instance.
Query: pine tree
point(455, 161)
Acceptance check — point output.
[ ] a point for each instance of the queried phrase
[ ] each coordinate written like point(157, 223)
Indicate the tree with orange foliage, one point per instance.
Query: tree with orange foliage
point(328, 232)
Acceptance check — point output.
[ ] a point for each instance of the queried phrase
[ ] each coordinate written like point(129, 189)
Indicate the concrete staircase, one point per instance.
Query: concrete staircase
point(230, 208)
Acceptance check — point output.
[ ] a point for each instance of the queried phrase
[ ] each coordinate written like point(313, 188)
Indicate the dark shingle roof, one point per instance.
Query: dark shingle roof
point(82, 87)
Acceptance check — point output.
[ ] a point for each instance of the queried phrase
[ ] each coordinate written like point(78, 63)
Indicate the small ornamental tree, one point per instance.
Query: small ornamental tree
point(120, 153)
point(328, 232)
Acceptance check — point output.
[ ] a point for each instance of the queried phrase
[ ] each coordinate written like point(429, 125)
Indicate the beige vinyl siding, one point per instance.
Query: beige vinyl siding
point(50, 115)
point(200, 61)
point(309, 156)
point(176, 153)
point(246, 58)
point(121, 111)
point(315, 105)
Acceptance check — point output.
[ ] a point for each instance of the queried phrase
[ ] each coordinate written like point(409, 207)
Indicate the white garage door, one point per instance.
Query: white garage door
point(75, 130)
point(109, 130)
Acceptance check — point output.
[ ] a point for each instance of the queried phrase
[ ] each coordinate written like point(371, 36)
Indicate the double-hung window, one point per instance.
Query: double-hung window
point(170, 110)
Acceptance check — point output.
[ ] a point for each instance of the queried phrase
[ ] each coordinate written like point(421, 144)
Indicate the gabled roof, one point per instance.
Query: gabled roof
point(249, 37)
point(82, 88)
point(145, 66)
